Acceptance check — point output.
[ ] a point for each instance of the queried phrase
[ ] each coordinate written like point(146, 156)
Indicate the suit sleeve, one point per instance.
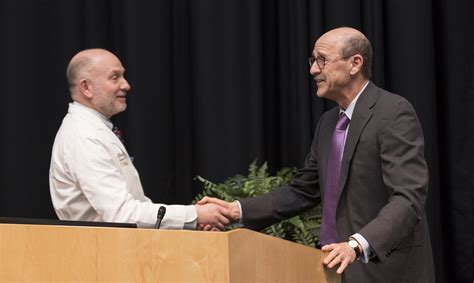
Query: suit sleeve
point(302, 194)
point(405, 176)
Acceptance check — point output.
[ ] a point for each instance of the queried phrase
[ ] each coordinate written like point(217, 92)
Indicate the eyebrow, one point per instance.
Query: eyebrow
point(117, 71)
point(313, 53)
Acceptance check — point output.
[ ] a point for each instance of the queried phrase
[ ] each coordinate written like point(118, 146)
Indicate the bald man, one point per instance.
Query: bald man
point(367, 168)
point(91, 175)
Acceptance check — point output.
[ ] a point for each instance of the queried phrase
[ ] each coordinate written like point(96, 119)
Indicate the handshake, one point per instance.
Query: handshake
point(213, 214)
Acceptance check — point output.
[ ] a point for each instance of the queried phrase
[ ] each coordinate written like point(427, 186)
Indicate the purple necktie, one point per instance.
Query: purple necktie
point(118, 133)
point(328, 233)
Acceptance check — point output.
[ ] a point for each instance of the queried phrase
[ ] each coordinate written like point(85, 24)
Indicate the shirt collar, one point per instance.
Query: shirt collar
point(76, 106)
point(350, 108)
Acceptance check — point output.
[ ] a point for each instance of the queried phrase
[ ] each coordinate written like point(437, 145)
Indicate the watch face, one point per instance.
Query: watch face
point(354, 245)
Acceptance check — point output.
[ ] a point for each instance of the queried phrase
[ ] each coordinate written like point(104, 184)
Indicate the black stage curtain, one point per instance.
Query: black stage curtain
point(217, 84)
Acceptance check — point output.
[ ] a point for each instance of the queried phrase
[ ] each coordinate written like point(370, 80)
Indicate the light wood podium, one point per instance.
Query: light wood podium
point(44, 253)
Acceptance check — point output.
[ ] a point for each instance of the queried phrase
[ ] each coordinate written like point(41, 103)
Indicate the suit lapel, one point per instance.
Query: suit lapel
point(361, 115)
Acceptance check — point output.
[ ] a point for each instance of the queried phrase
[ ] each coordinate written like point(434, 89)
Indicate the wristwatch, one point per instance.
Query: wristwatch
point(355, 246)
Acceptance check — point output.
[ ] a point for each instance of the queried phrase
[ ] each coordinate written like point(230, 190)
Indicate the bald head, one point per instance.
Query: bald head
point(81, 66)
point(96, 80)
point(351, 41)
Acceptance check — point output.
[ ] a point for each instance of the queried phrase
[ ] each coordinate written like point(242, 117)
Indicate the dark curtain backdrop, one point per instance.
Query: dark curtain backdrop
point(217, 84)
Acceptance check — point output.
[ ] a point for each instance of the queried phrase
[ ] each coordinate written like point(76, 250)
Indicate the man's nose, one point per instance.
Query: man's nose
point(314, 70)
point(125, 85)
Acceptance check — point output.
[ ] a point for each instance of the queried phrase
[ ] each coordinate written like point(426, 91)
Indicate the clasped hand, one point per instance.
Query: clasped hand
point(214, 214)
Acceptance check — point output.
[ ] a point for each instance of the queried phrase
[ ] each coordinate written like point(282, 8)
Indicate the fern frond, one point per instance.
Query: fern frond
point(303, 229)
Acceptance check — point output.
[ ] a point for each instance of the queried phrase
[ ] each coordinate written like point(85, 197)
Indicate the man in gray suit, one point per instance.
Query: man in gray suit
point(366, 166)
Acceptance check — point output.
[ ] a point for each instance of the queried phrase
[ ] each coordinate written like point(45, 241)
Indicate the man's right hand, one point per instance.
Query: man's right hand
point(210, 214)
point(232, 207)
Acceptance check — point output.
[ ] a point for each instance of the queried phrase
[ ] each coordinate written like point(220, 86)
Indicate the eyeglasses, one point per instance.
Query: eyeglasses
point(322, 61)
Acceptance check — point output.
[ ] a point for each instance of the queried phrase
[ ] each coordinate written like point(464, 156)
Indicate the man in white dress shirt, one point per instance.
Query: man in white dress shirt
point(91, 175)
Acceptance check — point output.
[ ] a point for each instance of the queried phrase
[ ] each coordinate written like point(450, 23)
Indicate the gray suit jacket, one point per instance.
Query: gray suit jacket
point(383, 186)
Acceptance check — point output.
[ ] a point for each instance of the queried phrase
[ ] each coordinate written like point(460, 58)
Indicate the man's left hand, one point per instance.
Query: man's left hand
point(339, 253)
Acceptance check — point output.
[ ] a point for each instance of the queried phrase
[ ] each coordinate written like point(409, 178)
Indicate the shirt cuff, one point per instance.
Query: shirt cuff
point(366, 249)
point(240, 209)
point(190, 217)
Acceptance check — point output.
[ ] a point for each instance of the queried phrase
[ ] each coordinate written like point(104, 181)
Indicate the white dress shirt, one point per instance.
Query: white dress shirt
point(92, 178)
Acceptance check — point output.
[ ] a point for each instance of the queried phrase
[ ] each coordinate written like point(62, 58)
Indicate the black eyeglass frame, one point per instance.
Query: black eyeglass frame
point(321, 61)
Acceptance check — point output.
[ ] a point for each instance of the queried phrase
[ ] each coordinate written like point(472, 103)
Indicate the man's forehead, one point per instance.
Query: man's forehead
point(324, 47)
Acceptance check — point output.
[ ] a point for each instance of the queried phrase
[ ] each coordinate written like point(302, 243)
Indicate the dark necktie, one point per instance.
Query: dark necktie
point(328, 234)
point(118, 133)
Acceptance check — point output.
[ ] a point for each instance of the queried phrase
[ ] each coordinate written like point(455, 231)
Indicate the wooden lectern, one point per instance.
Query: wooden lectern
point(67, 253)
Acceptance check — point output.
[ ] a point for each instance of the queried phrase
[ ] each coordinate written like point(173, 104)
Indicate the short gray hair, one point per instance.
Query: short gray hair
point(359, 44)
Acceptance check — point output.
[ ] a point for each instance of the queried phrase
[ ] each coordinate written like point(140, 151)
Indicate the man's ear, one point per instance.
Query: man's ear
point(84, 88)
point(357, 61)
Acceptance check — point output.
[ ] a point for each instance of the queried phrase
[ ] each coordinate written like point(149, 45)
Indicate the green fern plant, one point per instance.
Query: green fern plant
point(303, 229)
